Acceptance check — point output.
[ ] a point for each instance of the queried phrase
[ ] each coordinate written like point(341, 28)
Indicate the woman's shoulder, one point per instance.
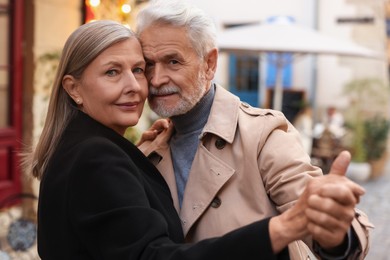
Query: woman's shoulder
point(82, 149)
point(97, 146)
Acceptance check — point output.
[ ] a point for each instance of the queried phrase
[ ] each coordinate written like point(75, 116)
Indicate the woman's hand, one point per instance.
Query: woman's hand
point(157, 127)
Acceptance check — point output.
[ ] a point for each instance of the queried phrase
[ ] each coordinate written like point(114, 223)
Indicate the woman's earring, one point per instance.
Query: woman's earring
point(78, 101)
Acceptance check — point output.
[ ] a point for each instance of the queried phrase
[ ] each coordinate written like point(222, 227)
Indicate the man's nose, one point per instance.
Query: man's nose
point(158, 76)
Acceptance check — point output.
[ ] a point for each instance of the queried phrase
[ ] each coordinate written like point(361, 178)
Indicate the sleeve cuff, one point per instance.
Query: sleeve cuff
point(328, 256)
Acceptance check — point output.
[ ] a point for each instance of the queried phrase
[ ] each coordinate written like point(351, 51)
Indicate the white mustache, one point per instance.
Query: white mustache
point(163, 90)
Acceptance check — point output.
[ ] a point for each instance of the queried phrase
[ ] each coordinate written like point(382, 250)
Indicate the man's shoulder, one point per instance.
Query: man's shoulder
point(257, 111)
point(226, 95)
point(261, 118)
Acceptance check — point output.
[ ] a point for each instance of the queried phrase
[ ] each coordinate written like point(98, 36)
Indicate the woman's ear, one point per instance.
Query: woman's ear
point(211, 59)
point(71, 86)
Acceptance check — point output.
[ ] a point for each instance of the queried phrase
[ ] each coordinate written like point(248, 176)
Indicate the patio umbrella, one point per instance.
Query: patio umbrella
point(283, 38)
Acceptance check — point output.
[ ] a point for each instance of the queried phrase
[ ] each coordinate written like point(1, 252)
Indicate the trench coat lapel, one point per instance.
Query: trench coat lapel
point(209, 173)
point(203, 185)
point(165, 167)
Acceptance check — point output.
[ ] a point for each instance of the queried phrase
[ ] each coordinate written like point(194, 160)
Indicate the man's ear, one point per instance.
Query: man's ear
point(71, 86)
point(211, 60)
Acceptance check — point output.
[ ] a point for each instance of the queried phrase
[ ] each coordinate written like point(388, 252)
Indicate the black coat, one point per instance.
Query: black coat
point(100, 198)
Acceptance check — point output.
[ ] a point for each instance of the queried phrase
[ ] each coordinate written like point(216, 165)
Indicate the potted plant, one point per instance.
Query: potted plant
point(359, 169)
point(375, 143)
point(368, 126)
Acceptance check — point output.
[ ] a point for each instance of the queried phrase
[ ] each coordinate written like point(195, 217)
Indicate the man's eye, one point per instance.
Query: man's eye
point(173, 62)
point(111, 73)
point(149, 65)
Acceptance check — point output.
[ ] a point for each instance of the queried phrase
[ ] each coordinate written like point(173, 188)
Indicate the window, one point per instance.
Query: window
point(247, 73)
point(244, 77)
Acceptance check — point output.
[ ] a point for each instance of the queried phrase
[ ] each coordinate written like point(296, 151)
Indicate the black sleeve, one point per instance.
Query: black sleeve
point(111, 214)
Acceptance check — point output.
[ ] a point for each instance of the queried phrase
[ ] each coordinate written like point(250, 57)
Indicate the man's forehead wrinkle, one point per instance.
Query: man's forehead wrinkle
point(162, 53)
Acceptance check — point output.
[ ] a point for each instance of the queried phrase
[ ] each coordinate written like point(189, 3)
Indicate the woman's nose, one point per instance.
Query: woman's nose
point(131, 83)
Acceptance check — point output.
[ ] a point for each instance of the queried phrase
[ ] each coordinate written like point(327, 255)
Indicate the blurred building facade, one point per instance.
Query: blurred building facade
point(321, 78)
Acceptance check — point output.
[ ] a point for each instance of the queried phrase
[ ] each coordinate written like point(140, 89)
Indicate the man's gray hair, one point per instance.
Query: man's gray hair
point(200, 27)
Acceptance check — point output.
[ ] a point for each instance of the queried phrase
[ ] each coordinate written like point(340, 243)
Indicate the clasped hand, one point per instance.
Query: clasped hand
point(325, 210)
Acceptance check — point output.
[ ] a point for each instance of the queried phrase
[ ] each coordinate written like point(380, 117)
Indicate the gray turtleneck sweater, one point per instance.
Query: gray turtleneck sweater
point(184, 142)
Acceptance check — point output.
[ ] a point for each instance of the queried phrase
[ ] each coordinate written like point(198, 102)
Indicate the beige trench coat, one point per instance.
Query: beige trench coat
point(249, 165)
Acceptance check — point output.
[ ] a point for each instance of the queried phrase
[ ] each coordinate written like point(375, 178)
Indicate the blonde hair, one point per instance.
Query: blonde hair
point(80, 49)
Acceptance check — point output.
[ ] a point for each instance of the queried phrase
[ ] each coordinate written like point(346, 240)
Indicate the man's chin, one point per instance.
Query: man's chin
point(165, 112)
point(162, 112)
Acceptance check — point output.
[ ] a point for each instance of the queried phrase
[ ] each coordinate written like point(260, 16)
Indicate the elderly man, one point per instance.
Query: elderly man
point(227, 164)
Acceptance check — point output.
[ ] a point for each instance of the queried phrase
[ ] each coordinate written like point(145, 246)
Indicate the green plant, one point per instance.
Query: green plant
point(375, 141)
point(369, 98)
point(132, 134)
point(46, 70)
point(359, 152)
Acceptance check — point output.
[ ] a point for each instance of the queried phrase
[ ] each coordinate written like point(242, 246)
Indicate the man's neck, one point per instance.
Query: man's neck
point(196, 118)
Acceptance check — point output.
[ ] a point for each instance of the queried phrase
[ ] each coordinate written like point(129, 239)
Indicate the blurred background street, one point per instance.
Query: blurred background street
point(376, 204)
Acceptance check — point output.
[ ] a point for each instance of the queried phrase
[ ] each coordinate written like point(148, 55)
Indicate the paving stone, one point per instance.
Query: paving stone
point(376, 204)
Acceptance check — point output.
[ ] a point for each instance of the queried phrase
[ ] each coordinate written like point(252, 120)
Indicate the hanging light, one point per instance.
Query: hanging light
point(94, 3)
point(126, 8)
point(90, 10)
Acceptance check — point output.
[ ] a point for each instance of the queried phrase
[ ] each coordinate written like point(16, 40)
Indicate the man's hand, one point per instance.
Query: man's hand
point(331, 204)
point(325, 210)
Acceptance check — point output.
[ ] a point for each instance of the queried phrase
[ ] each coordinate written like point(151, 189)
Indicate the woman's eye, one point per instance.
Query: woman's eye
point(138, 70)
point(111, 73)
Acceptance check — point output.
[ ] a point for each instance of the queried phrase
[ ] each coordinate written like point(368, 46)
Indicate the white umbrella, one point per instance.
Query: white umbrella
point(287, 38)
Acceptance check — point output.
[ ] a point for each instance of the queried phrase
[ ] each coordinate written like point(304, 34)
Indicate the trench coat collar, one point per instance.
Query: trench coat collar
point(223, 126)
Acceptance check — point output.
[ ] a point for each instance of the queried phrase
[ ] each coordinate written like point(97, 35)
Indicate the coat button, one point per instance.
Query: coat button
point(216, 202)
point(220, 143)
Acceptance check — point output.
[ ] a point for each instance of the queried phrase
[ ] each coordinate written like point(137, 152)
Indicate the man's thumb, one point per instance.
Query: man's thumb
point(340, 164)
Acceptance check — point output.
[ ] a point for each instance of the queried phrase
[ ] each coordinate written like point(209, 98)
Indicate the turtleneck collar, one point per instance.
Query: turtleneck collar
point(196, 118)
